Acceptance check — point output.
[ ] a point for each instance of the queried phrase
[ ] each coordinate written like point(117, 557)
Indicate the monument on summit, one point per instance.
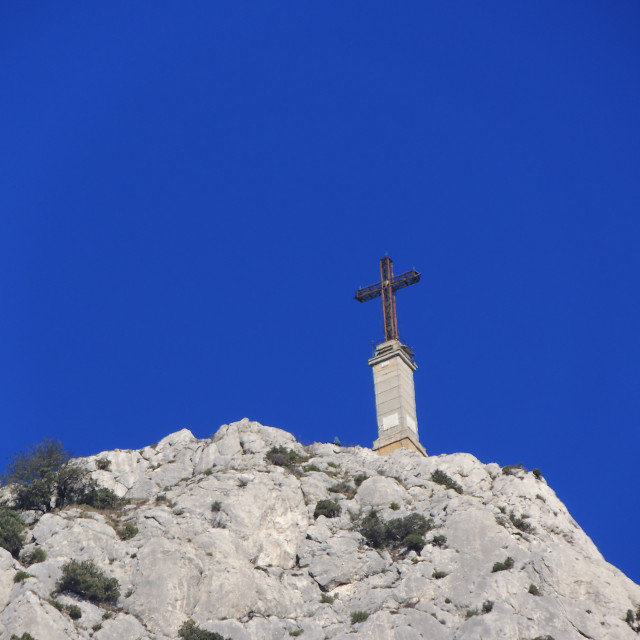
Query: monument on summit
point(393, 366)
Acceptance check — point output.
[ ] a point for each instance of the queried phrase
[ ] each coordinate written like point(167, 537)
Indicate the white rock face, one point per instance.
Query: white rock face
point(259, 566)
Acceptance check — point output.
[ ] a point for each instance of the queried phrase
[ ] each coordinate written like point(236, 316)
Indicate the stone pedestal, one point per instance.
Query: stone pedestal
point(393, 368)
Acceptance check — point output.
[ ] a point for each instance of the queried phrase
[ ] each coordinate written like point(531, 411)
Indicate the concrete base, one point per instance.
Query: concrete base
point(398, 439)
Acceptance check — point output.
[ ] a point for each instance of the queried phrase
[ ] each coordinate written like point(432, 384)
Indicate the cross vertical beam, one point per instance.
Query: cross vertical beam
point(386, 289)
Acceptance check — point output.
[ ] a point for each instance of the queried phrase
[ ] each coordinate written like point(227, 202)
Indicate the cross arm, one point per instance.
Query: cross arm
point(369, 293)
point(404, 279)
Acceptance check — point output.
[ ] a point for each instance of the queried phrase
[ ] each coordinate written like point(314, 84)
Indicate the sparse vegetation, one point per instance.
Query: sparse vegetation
point(439, 541)
point(440, 477)
point(21, 576)
point(87, 581)
point(510, 469)
point(438, 575)
point(325, 598)
point(547, 637)
point(533, 590)
point(520, 523)
point(216, 506)
point(344, 488)
point(162, 497)
point(487, 606)
point(470, 613)
point(393, 534)
point(413, 542)
point(103, 464)
point(503, 566)
point(358, 616)
point(297, 632)
point(127, 531)
point(394, 506)
point(191, 631)
point(633, 620)
point(283, 457)
point(24, 636)
point(11, 527)
point(359, 479)
point(33, 557)
point(74, 611)
point(311, 467)
point(327, 508)
point(537, 473)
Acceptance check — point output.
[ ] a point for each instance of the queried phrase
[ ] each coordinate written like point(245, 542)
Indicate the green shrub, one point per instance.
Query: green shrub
point(547, 637)
point(100, 498)
point(311, 467)
point(358, 616)
point(191, 631)
point(394, 506)
point(33, 557)
point(510, 469)
point(633, 620)
point(373, 530)
point(439, 541)
point(359, 479)
point(503, 566)
point(533, 590)
point(107, 614)
point(414, 542)
point(327, 508)
point(24, 636)
point(487, 606)
point(333, 465)
point(520, 523)
point(438, 575)
point(470, 613)
point(537, 473)
point(97, 626)
point(216, 506)
point(127, 531)
point(325, 598)
point(85, 580)
point(11, 527)
point(440, 477)
point(103, 464)
point(344, 488)
point(162, 497)
point(297, 632)
point(21, 576)
point(393, 533)
point(283, 457)
point(74, 611)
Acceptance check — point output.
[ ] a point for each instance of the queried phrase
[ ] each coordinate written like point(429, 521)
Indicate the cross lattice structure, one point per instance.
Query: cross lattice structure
point(386, 289)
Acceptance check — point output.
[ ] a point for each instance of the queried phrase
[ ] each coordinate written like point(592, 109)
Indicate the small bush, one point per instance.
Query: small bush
point(74, 611)
point(283, 457)
point(633, 620)
point(21, 576)
point(333, 465)
point(438, 575)
point(520, 523)
point(191, 631)
point(97, 626)
point(537, 473)
point(128, 531)
point(440, 477)
point(470, 613)
point(533, 590)
point(414, 542)
point(325, 598)
point(33, 557)
point(394, 506)
point(85, 580)
point(487, 606)
point(101, 498)
point(11, 527)
point(393, 533)
point(358, 616)
point(547, 637)
point(359, 479)
point(414, 524)
point(103, 464)
point(510, 469)
point(344, 488)
point(311, 467)
point(216, 506)
point(503, 566)
point(297, 632)
point(162, 497)
point(327, 508)
point(373, 530)
point(107, 614)
point(439, 541)
point(24, 636)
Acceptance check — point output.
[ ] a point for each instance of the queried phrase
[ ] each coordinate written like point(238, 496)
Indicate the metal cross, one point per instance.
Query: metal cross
point(387, 288)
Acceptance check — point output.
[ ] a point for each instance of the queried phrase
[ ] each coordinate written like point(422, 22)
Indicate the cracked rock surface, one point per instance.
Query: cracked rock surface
point(259, 566)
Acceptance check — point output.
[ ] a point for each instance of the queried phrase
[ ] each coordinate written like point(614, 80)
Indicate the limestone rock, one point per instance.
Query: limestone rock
point(229, 540)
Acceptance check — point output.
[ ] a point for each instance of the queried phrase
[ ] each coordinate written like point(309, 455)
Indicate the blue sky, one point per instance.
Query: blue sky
point(191, 193)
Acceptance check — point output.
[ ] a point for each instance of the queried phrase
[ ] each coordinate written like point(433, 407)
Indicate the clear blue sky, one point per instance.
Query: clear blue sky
point(191, 193)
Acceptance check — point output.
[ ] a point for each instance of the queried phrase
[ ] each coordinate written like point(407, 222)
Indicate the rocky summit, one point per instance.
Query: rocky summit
point(251, 535)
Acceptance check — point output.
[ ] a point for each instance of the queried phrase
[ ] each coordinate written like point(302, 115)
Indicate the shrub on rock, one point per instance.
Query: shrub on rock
point(191, 631)
point(87, 581)
point(11, 536)
point(327, 508)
